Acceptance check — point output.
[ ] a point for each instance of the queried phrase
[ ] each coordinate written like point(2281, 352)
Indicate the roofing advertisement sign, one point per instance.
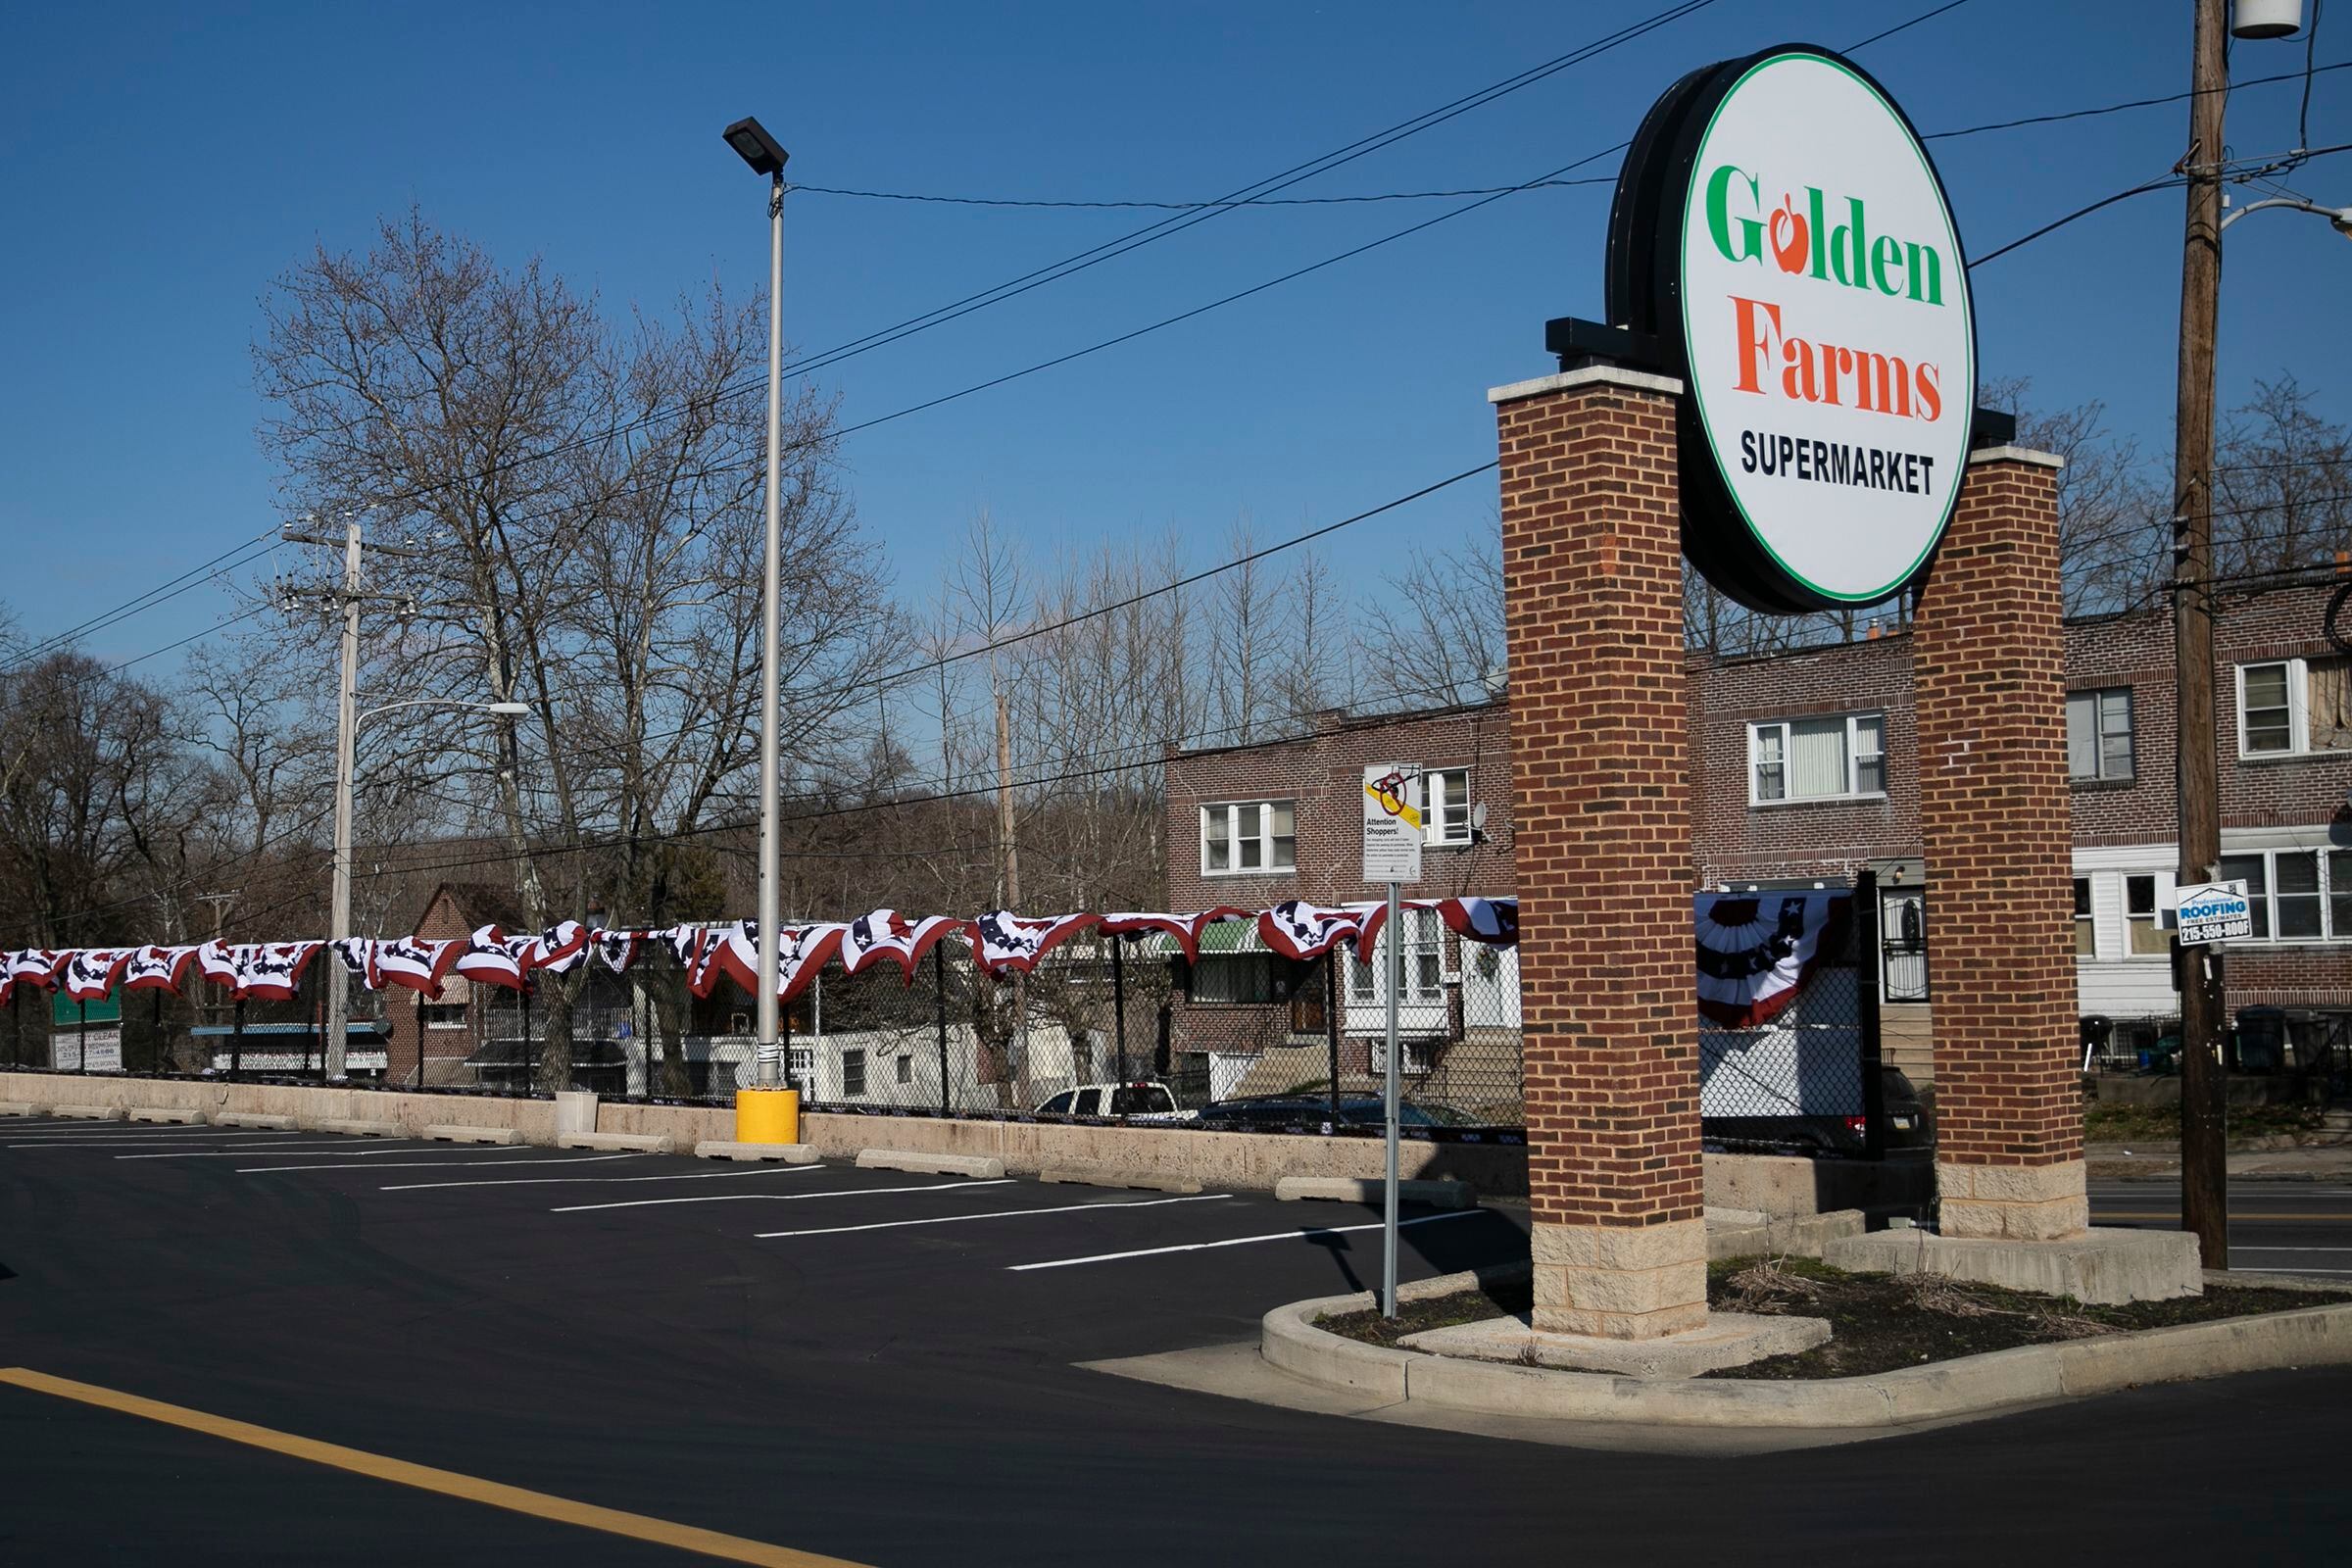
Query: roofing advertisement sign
point(2212, 912)
point(1782, 231)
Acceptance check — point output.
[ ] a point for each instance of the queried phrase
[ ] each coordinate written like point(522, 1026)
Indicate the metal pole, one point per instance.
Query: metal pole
point(236, 1039)
point(1118, 1005)
point(939, 980)
point(1394, 957)
point(524, 1049)
point(82, 1045)
point(338, 983)
point(1869, 947)
point(770, 1054)
point(1331, 1025)
point(157, 1028)
point(2197, 970)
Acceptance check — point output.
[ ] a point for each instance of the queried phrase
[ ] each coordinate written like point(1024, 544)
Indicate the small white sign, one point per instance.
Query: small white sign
point(1392, 832)
point(87, 1049)
point(2212, 912)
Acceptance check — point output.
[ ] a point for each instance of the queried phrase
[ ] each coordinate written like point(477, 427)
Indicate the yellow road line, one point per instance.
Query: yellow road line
point(450, 1484)
point(2268, 1219)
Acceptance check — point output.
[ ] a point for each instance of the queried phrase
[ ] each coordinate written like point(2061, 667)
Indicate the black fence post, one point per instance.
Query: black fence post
point(157, 1029)
point(236, 1039)
point(1118, 1005)
point(939, 980)
point(83, 1046)
point(1870, 943)
point(1160, 1063)
point(524, 1051)
point(1331, 1024)
point(319, 1034)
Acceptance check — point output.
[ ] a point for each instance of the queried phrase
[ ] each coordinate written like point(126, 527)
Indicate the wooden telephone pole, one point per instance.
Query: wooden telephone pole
point(2197, 970)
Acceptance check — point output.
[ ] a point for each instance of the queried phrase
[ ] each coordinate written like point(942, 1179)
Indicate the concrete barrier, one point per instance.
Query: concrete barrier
point(169, 1116)
point(21, 1108)
point(619, 1143)
point(985, 1168)
point(88, 1113)
point(353, 1127)
point(446, 1133)
point(787, 1153)
point(1113, 1176)
point(1372, 1190)
point(258, 1120)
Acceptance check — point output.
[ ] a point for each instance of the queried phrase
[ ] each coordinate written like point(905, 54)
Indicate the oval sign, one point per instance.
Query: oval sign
point(1807, 279)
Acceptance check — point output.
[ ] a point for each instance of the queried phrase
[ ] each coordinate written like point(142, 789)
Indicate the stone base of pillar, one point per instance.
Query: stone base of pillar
point(2012, 1202)
point(1621, 1282)
point(2102, 1267)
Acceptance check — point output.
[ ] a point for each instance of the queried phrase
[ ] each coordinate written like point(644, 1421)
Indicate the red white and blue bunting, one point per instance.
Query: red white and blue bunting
point(1756, 950)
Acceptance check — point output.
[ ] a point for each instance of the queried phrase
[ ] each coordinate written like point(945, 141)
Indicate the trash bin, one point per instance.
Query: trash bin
point(2098, 1033)
point(2259, 1044)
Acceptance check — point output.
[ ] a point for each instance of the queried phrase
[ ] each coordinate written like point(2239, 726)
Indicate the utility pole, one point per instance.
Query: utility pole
point(345, 600)
point(2197, 970)
point(1008, 852)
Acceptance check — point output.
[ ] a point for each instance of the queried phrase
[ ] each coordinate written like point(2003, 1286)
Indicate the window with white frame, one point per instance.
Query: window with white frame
point(905, 1070)
point(1248, 837)
point(1838, 756)
point(2099, 734)
point(2146, 938)
point(853, 1075)
point(1423, 933)
point(2297, 895)
point(2294, 708)
point(1445, 804)
point(2087, 935)
point(441, 1014)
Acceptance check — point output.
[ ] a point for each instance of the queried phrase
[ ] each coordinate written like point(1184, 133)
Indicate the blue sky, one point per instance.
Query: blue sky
point(159, 165)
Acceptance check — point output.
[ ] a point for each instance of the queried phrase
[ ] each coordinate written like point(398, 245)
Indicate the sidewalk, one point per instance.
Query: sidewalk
point(2161, 1161)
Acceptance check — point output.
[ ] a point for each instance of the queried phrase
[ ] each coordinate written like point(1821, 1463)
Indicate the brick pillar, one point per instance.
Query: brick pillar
point(1990, 663)
point(1592, 599)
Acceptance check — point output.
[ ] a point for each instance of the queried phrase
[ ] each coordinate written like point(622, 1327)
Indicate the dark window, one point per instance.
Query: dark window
point(853, 1075)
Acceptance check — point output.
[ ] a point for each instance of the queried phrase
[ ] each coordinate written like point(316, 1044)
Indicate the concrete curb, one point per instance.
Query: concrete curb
point(22, 1108)
point(1361, 1190)
point(984, 1167)
point(177, 1118)
point(506, 1137)
point(1792, 1235)
point(351, 1127)
point(88, 1113)
point(1113, 1176)
point(258, 1120)
point(619, 1143)
point(1977, 1384)
point(788, 1154)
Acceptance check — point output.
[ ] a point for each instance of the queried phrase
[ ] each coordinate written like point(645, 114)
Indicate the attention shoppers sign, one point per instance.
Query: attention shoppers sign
point(1781, 230)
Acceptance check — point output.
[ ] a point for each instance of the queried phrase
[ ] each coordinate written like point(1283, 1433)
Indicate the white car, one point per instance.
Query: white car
point(1137, 1102)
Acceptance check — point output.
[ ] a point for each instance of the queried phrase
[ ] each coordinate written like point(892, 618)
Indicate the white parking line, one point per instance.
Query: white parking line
point(107, 1143)
point(2299, 1271)
point(436, 1164)
point(403, 1146)
point(1001, 1213)
point(137, 1129)
point(782, 1198)
point(2235, 1247)
point(529, 1181)
point(1239, 1241)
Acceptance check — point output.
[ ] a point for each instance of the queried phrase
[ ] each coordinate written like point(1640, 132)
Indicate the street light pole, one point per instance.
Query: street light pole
point(760, 151)
point(339, 979)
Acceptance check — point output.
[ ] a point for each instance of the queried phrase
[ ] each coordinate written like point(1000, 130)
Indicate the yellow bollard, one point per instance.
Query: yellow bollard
point(767, 1115)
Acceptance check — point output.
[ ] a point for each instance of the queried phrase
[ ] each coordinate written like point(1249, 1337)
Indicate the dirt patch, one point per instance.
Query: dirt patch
point(1877, 1322)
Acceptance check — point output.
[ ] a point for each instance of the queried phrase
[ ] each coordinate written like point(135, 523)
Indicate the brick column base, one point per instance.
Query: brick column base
point(1988, 656)
point(1593, 601)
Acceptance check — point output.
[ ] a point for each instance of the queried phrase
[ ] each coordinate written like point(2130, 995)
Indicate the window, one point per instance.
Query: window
point(2086, 937)
point(2099, 734)
point(1423, 931)
point(1234, 977)
point(853, 1075)
point(2294, 708)
point(1088, 1103)
point(1836, 758)
point(1445, 804)
point(441, 1014)
point(2147, 937)
point(2297, 895)
point(905, 1070)
point(1059, 1104)
point(1249, 837)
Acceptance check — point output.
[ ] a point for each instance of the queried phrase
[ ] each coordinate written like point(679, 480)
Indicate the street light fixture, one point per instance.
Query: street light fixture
point(767, 155)
point(2338, 217)
point(339, 979)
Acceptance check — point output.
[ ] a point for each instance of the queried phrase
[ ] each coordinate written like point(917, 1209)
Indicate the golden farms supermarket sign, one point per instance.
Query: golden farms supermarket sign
point(1782, 231)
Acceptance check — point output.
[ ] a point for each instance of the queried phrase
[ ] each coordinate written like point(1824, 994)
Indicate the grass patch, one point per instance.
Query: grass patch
point(2120, 1125)
point(1877, 1322)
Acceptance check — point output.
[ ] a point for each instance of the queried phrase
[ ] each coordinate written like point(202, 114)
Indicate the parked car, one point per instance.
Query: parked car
point(1907, 1127)
point(1135, 1101)
point(1312, 1111)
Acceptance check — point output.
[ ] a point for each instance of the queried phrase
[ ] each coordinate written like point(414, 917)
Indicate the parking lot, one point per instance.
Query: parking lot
point(600, 1356)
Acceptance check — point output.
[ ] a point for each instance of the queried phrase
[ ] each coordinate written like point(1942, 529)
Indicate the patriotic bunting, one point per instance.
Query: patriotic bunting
point(886, 934)
point(561, 949)
point(1185, 928)
point(158, 969)
point(1298, 930)
point(1755, 951)
point(91, 972)
point(494, 959)
point(1495, 922)
point(416, 964)
point(1003, 940)
point(216, 962)
point(271, 971)
point(619, 949)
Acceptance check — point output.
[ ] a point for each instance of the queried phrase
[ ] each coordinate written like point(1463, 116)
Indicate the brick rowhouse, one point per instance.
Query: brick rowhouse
point(1989, 670)
point(1592, 563)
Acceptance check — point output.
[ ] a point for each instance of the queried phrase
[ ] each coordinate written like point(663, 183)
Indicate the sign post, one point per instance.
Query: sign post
point(1393, 836)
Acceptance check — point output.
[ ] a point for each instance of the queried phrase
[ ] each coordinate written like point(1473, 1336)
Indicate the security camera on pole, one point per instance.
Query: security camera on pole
point(1393, 836)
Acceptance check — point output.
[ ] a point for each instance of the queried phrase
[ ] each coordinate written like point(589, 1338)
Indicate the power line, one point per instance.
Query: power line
point(150, 599)
point(2119, 108)
point(1900, 26)
point(1191, 207)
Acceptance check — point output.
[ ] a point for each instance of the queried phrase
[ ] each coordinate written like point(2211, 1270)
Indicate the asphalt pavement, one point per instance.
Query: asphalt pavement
point(262, 1336)
point(2284, 1227)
